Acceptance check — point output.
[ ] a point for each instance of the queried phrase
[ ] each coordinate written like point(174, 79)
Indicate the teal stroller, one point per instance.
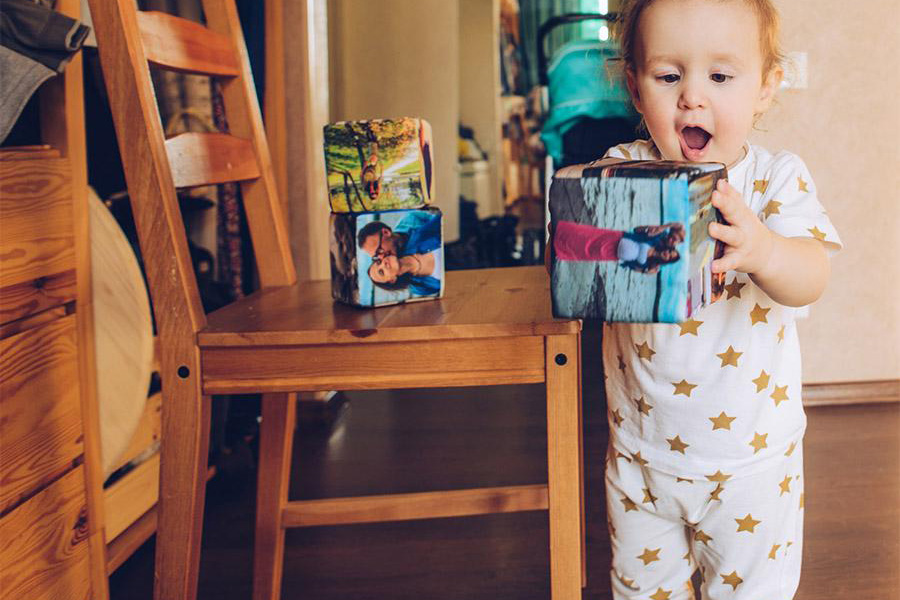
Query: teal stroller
point(589, 110)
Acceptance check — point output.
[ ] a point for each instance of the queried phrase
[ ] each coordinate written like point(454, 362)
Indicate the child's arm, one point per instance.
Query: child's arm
point(792, 271)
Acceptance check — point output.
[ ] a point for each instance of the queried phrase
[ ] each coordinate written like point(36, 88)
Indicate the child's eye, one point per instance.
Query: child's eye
point(721, 77)
point(668, 78)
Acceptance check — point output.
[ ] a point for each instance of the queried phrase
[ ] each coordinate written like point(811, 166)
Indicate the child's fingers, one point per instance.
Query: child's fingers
point(729, 262)
point(730, 235)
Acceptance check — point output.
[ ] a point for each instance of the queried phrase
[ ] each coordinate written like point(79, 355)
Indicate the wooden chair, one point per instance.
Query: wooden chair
point(493, 327)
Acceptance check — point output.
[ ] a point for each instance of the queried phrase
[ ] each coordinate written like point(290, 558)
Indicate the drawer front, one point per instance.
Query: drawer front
point(44, 544)
point(37, 238)
point(40, 412)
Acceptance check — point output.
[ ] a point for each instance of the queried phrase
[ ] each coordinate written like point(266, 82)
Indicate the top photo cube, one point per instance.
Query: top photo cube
point(381, 164)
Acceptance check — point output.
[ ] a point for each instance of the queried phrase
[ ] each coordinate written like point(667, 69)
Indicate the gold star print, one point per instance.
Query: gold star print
point(760, 185)
point(629, 504)
point(714, 495)
point(643, 407)
point(648, 497)
point(801, 185)
point(785, 485)
point(723, 421)
point(774, 549)
point(700, 536)
point(620, 455)
point(645, 351)
point(781, 334)
point(817, 234)
point(771, 208)
point(641, 461)
point(661, 594)
point(748, 523)
point(729, 357)
point(733, 289)
point(680, 479)
point(790, 449)
point(719, 477)
point(759, 442)
point(780, 394)
point(762, 382)
point(690, 327)
point(733, 580)
point(621, 362)
point(683, 387)
point(687, 557)
point(758, 315)
point(676, 445)
point(649, 556)
point(617, 417)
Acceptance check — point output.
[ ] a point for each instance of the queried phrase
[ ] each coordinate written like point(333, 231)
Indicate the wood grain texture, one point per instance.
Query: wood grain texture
point(131, 496)
point(44, 548)
point(29, 152)
point(205, 158)
point(265, 216)
point(375, 366)
point(123, 546)
point(276, 442)
point(421, 505)
point(564, 466)
point(37, 295)
point(183, 45)
point(36, 231)
point(478, 303)
point(40, 409)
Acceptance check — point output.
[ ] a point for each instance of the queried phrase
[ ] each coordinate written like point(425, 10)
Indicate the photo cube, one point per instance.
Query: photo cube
point(382, 164)
point(387, 257)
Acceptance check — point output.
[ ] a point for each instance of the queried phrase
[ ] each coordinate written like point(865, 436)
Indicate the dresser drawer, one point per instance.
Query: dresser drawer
point(40, 411)
point(37, 251)
point(44, 544)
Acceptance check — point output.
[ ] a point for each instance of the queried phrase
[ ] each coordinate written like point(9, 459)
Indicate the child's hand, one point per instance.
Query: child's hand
point(748, 243)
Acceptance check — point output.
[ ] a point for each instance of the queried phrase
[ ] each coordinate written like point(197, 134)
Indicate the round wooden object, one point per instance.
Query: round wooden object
point(123, 334)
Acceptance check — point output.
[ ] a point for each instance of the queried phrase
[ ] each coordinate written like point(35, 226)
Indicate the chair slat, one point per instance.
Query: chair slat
point(208, 158)
point(183, 45)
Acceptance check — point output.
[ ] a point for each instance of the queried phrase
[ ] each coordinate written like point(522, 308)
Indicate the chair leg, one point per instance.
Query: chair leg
point(563, 455)
point(276, 438)
point(581, 496)
point(184, 455)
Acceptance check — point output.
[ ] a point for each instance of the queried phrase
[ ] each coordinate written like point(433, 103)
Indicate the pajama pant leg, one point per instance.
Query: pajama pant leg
point(751, 541)
point(650, 542)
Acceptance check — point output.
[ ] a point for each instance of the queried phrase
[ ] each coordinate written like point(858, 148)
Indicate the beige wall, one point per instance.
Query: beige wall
point(846, 126)
point(395, 58)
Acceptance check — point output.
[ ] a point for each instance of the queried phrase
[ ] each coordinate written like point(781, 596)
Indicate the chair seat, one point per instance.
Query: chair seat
point(488, 329)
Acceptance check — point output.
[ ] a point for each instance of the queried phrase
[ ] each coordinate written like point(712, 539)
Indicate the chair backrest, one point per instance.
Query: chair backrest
point(129, 41)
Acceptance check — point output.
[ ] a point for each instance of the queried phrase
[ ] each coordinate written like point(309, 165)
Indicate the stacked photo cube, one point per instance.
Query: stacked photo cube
point(386, 241)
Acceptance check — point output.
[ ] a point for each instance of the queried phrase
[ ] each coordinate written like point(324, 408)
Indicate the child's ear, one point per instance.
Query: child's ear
point(631, 83)
point(769, 88)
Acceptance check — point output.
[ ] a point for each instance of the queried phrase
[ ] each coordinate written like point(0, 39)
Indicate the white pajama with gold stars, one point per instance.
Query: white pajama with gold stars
point(706, 422)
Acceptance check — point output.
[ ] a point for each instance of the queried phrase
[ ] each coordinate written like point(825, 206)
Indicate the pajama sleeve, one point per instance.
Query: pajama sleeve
point(790, 206)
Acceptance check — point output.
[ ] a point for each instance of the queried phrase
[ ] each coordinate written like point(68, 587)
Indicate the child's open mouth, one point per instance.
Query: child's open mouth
point(693, 142)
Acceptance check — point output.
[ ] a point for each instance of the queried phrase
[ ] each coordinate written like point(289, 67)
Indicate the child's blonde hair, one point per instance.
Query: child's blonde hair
point(769, 25)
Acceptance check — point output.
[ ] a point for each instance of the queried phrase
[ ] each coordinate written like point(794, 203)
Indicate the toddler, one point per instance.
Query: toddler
point(704, 468)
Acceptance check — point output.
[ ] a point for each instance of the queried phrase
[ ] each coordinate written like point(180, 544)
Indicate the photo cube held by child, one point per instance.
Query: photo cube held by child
point(630, 240)
point(381, 164)
point(387, 257)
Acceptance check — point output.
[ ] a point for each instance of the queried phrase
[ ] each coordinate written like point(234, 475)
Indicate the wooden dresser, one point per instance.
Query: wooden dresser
point(51, 533)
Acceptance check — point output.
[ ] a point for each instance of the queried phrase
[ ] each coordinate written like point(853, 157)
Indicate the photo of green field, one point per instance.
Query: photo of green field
point(379, 164)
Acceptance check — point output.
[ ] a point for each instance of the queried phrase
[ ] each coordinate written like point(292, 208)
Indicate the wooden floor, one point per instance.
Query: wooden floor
point(392, 442)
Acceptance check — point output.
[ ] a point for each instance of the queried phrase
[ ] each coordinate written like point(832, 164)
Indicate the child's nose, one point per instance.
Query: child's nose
point(692, 96)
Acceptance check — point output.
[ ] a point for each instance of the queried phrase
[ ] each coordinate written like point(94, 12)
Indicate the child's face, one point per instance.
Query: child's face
point(698, 78)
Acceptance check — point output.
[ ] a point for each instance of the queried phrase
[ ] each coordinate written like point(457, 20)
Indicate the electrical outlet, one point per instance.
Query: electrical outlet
point(796, 75)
